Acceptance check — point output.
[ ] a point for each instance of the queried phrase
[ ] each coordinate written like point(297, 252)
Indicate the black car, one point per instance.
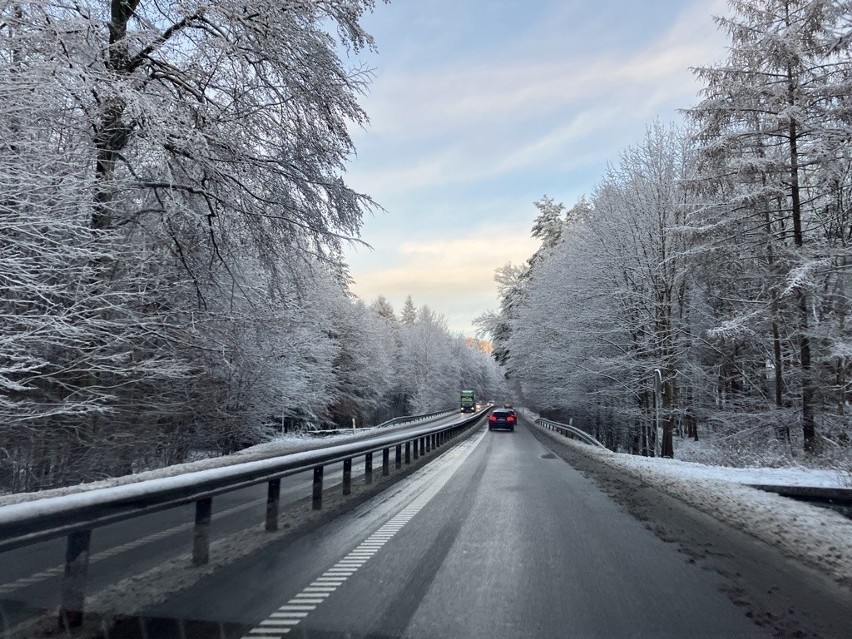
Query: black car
point(502, 418)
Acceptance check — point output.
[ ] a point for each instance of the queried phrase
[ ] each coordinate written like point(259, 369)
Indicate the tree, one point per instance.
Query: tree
point(548, 226)
point(409, 312)
point(772, 119)
point(171, 176)
point(606, 306)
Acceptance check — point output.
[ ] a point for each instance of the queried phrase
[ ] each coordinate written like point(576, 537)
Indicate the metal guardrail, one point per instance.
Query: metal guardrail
point(76, 515)
point(405, 419)
point(838, 496)
point(569, 431)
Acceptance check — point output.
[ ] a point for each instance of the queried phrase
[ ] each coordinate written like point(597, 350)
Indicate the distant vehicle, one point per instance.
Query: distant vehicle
point(502, 418)
point(508, 405)
point(468, 401)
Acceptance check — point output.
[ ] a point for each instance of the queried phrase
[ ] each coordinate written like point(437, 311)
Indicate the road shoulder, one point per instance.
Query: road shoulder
point(776, 591)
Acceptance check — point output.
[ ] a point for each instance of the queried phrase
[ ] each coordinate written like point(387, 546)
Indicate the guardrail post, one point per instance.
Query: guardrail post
point(386, 461)
point(428, 439)
point(407, 452)
point(273, 494)
point(201, 534)
point(422, 446)
point(74, 581)
point(368, 468)
point(416, 447)
point(347, 476)
point(317, 497)
point(397, 461)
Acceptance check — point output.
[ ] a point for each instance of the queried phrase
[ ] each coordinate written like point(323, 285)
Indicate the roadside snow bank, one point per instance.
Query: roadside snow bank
point(817, 536)
point(774, 476)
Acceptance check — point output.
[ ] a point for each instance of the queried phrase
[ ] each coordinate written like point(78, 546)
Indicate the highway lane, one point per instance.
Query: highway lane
point(30, 576)
point(497, 538)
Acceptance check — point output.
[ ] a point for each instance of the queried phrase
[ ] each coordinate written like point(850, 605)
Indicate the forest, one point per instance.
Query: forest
point(714, 256)
point(172, 218)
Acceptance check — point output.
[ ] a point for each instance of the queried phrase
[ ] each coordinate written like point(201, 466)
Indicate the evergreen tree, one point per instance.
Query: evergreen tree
point(771, 121)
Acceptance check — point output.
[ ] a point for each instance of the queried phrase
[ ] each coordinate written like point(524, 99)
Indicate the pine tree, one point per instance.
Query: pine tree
point(409, 312)
point(770, 121)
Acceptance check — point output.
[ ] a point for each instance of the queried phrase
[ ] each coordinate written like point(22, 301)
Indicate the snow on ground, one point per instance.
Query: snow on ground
point(773, 476)
point(283, 445)
point(816, 536)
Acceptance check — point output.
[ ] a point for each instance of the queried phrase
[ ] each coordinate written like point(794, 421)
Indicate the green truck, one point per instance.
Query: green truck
point(468, 401)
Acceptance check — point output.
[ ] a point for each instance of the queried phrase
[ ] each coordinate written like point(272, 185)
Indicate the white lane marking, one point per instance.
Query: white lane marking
point(337, 575)
point(29, 580)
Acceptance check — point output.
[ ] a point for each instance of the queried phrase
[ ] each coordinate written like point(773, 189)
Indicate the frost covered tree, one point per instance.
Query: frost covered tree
point(171, 174)
point(774, 130)
point(606, 305)
point(719, 256)
point(409, 312)
point(435, 364)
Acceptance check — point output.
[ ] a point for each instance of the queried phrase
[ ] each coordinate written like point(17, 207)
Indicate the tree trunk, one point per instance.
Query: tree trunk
point(808, 422)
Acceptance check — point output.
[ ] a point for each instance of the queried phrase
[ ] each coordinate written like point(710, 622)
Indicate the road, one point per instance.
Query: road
point(30, 576)
point(499, 537)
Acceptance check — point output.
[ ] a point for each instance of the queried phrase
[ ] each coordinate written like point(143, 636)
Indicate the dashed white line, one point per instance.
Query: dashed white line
point(284, 618)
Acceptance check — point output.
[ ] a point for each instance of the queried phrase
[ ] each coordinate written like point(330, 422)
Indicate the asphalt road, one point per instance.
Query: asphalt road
point(498, 537)
point(30, 576)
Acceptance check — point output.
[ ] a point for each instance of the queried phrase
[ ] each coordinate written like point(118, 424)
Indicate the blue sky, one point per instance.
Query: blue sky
point(480, 107)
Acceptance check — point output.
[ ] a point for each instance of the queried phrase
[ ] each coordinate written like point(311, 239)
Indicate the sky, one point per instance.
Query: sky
point(478, 108)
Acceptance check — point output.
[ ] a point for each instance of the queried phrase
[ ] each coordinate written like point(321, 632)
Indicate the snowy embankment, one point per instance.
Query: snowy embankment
point(816, 536)
point(283, 445)
point(771, 476)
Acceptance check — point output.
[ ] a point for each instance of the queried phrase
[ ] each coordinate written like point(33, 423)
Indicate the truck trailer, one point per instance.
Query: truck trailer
point(468, 401)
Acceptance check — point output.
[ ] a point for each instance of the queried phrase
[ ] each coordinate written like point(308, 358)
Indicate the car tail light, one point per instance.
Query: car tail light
point(492, 418)
point(511, 418)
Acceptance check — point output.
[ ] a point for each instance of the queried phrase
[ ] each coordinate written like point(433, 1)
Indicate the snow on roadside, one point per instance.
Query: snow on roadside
point(773, 476)
point(286, 444)
point(817, 536)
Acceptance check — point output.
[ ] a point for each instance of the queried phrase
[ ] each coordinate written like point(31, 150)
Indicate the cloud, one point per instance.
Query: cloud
point(454, 276)
point(474, 121)
point(409, 104)
point(468, 137)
